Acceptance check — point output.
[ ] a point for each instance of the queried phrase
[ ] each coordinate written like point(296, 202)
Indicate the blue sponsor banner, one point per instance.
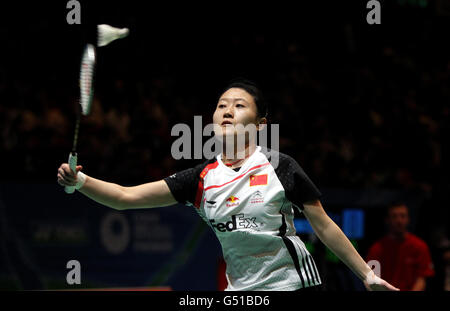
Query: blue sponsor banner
point(353, 223)
point(43, 228)
point(302, 226)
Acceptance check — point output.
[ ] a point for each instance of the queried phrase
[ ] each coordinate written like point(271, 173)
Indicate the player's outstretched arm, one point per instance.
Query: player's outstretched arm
point(333, 237)
point(153, 194)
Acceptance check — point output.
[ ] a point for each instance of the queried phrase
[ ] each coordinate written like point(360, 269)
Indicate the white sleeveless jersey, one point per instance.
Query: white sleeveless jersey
point(251, 212)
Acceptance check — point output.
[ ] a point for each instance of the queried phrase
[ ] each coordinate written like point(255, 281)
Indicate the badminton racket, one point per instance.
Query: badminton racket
point(86, 95)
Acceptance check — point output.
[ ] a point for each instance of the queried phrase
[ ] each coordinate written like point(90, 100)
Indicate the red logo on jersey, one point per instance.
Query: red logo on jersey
point(258, 180)
point(233, 201)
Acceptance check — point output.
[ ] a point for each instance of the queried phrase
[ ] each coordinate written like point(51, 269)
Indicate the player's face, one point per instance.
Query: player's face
point(398, 219)
point(234, 107)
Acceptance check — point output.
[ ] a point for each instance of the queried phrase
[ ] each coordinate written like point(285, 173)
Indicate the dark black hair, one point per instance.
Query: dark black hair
point(253, 89)
point(397, 203)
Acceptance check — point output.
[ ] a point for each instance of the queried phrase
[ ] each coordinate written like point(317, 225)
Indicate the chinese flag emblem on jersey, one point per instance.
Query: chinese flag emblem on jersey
point(258, 180)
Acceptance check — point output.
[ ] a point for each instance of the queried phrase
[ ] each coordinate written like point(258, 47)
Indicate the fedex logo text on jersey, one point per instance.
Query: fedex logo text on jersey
point(238, 221)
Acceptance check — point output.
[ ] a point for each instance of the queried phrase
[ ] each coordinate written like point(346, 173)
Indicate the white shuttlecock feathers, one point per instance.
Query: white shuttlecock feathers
point(107, 34)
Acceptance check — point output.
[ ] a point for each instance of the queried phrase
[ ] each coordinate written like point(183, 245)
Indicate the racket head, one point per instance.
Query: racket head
point(87, 78)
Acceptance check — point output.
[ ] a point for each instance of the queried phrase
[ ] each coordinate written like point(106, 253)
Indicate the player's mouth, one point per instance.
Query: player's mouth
point(225, 123)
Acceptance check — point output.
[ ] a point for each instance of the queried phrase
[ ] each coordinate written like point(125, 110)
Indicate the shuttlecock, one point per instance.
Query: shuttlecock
point(107, 34)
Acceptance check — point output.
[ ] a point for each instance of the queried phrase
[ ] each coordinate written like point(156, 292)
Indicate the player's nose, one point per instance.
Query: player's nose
point(229, 112)
point(228, 115)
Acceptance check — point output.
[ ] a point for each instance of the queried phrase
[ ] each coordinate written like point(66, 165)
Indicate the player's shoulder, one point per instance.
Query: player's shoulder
point(283, 160)
point(269, 153)
point(205, 165)
point(193, 172)
point(207, 162)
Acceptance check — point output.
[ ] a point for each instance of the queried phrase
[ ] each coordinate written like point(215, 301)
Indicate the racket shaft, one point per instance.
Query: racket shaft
point(73, 166)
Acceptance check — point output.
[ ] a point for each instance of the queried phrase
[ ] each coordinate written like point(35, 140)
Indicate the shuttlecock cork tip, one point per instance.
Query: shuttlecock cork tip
point(124, 32)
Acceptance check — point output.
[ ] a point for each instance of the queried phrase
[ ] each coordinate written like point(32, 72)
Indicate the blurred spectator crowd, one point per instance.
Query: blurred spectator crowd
point(379, 122)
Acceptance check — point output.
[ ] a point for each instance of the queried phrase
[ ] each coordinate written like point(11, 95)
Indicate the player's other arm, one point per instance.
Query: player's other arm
point(153, 194)
point(333, 237)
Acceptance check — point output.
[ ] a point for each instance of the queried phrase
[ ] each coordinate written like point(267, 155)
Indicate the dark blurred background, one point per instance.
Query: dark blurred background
point(363, 108)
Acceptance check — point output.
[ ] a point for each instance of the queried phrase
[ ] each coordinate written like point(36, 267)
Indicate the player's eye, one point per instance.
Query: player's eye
point(221, 106)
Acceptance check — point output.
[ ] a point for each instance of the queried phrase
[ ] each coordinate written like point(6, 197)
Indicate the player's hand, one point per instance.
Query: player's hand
point(67, 177)
point(375, 283)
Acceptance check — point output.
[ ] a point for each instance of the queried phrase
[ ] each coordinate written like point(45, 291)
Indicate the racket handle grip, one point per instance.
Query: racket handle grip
point(73, 166)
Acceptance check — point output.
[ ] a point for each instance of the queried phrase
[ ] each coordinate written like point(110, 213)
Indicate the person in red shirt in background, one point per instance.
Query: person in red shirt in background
point(404, 258)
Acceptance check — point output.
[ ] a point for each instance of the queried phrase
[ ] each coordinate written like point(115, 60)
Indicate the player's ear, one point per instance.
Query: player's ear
point(262, 123)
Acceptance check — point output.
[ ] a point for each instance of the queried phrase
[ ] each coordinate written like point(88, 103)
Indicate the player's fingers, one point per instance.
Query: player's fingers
point(65, 176)
point(391, 287)
point(79, 168)
point(67, 170)
point(62, 172)
point(64, 182)
point(70, 179)
point(385, 286)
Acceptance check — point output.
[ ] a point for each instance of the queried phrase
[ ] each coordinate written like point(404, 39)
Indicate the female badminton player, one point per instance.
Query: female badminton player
point(247, 201)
